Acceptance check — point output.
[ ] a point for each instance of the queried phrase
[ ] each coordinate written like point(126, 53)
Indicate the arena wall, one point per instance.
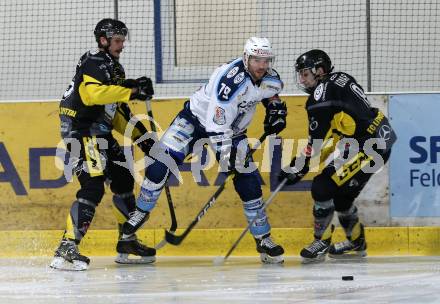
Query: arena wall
point(35, 197)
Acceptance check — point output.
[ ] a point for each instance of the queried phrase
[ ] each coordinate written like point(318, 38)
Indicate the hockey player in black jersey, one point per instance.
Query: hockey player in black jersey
point(340, 118)
point(93, 105)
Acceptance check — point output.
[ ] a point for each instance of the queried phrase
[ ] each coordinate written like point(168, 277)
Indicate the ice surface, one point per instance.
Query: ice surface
point(239, 280)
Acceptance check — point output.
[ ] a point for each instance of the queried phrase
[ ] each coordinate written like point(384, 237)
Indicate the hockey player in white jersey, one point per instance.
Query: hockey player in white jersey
point(220, 111)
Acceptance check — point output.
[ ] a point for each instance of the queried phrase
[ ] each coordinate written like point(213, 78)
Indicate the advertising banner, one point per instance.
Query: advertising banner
point(414, 167)
point(34, 192)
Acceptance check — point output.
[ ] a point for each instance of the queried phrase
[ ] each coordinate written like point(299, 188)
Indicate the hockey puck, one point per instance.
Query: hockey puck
point(347, 278)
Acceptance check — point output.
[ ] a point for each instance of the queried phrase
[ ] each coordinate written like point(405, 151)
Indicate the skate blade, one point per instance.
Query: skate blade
point(352, 255)
point(61, 264)
point(123, 258)
point(267, 259)
point(318, 259)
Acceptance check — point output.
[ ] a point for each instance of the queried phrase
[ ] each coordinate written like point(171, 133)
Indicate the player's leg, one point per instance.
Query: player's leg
point(349, 188)
point(174, 145)
point(356, 244)
point(124, 204)
point(323, 191)
point(248, 187)
point(90, 173)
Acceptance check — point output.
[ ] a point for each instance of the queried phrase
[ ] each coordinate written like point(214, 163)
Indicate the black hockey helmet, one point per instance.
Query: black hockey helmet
point(313, 60)
point(108, 27)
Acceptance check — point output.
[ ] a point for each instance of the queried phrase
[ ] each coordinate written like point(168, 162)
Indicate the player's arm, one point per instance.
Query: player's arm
point(275, 120)
point(95, 92)
point(276, 110)
point(320, 133)
point(95, 89)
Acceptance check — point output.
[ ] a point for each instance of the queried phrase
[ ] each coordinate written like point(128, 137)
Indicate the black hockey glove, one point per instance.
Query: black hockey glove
point(130, 83)
point(275, 120)
point(144, 87)
point(295, 174)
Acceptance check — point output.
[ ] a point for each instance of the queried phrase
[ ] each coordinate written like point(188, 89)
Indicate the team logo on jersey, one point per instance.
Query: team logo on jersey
point(313, 125)
point(246, 106)
point(385, 132)
point(232, 72)
point(239, 78)
point(353, 183)
point(318, 91)
point(219, 116)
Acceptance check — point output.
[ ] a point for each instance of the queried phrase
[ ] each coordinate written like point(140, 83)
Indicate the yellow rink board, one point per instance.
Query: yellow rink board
point(388, 241)
point(25, 127)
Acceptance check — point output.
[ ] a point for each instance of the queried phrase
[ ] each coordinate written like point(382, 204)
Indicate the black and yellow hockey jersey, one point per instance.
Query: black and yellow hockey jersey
point(339, 108)
point(95, 103)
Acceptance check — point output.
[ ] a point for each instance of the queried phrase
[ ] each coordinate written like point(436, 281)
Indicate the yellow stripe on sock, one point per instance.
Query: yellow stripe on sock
point(356, 231)
point(70, 230)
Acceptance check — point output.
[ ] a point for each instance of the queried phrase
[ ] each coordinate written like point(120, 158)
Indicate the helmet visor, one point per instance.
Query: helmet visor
point(109, 33)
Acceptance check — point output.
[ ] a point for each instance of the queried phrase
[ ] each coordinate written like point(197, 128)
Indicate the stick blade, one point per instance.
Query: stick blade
point(172, 238)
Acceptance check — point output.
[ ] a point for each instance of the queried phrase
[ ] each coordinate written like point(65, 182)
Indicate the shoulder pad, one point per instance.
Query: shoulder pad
point(231, 80)
point(272, 82)
point(94, 51)
point(272, 73)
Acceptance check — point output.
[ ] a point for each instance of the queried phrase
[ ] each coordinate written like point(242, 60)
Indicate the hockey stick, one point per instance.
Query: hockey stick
point(177, 239)
point(173, 226)
point(220, 260)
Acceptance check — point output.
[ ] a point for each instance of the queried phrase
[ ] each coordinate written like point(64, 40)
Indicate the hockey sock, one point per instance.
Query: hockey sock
point(323, 213)
point(79, 219)
point(252, 209)
point(123, 205)
point(350, 222)
point(149, 194)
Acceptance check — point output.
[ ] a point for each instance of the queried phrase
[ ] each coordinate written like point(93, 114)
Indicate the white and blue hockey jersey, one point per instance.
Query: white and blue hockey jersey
point(228, 101)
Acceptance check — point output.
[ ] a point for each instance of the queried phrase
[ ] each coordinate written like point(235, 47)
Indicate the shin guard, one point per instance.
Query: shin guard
point(123, 205)
point(348, 220)
point(79, 219)
point(323, 215)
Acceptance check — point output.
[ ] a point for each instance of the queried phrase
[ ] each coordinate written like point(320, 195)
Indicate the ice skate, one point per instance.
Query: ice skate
point(350, 248)
point(317, 250)
point(270, 253)
point(130, 246)
point(67, 257)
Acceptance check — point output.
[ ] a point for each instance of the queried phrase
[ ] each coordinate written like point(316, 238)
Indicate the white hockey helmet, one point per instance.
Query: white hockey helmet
point(257, 47)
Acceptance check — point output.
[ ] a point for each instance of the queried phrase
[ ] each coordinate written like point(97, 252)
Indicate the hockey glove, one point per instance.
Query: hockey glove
point(144, 87)
point(295, 174)
point(130, 83)
point(275, 120)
